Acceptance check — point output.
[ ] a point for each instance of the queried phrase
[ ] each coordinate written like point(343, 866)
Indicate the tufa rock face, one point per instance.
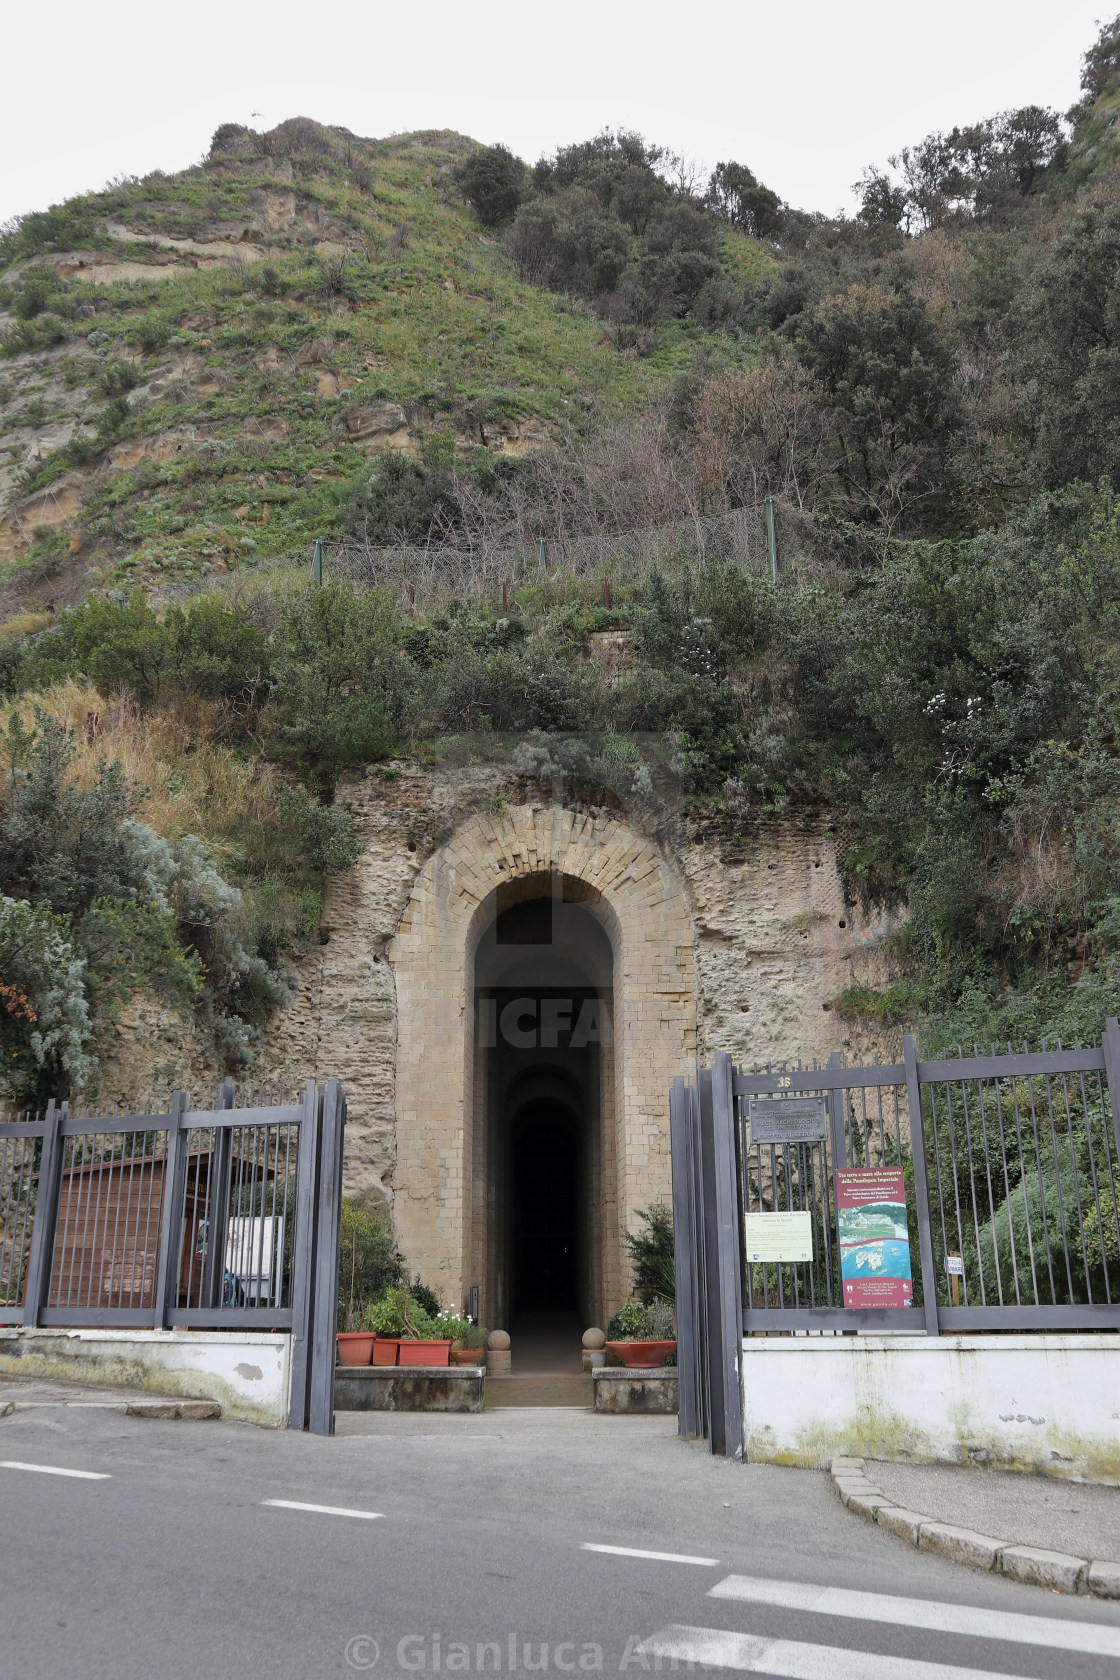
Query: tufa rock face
point(721, 942)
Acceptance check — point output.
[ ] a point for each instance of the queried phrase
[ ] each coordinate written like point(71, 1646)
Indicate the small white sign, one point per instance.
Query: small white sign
point(955, 1265)
point(779, 1237)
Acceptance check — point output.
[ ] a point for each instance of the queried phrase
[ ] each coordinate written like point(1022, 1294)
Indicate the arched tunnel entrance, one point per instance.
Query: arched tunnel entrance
point(544, 1109)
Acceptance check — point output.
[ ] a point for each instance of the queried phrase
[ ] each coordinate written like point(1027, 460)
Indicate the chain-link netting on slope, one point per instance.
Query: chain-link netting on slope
point(480, 568)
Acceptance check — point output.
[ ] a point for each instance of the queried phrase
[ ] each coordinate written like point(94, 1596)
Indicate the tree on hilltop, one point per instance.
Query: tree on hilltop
point(493, 181)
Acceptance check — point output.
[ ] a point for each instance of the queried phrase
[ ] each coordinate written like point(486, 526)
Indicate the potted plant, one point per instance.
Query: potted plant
point(420, 1340)
point(369, 1262)
point(354, 1339)
point(468, 1340)
point(642, 1336)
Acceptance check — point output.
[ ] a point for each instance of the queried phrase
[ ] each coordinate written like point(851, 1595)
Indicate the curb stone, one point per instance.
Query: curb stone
point(174, 1409)
point(1057, 1571)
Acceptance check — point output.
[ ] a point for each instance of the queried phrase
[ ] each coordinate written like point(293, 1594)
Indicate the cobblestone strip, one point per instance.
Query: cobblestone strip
point(1056, 1571)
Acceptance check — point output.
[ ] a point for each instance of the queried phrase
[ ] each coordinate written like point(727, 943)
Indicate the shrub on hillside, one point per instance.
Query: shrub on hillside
point(137, 909)
point(338, 684)
point(46, 1033)
point(493, 182)
point(321, 835)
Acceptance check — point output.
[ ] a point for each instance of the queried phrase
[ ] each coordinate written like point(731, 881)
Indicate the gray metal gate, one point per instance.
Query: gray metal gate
point(1011, 1164)
point(218, 1219)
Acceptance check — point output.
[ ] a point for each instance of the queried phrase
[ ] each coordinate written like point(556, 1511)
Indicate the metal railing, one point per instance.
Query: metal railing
point(223, 1218)
point(1006, 1166)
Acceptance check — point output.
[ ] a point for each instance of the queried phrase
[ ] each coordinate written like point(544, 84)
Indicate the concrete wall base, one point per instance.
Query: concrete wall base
point(1041, 1403)
point(409, 1388)
point(620, 1390)
point(247, 1371)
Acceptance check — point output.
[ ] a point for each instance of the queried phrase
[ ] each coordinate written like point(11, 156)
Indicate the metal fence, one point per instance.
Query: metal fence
point(1009, 1161)
point(476, 568)
point(223, 1218)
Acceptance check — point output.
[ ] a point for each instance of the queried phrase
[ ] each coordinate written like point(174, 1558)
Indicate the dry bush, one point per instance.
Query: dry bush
point(627, 477)
point(940, 266)
point(761, 432)
point(193, 784)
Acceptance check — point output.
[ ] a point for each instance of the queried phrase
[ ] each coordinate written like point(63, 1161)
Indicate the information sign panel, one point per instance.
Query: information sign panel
point(874, 1238)
point(780, 1237)
point(787, 1120)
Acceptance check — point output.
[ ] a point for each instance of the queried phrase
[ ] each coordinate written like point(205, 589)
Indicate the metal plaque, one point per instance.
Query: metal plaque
point(787, 1120)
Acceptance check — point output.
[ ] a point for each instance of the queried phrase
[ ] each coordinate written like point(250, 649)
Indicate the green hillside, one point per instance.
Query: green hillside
point(192, 364)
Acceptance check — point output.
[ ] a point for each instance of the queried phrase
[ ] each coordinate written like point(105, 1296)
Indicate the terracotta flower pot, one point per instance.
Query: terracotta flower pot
point(355, 1347)
point(416, 1352)
point(641, 1355)
point(385, 1350)
point(468, 1356)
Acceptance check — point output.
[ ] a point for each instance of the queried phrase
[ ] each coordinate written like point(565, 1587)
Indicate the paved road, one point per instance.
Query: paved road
point(188, 1549)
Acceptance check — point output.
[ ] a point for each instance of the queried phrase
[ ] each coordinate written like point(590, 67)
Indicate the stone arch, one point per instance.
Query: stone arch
point(634, 892)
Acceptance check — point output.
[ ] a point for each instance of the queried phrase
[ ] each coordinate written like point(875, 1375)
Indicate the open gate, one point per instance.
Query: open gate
point(1010, 1168)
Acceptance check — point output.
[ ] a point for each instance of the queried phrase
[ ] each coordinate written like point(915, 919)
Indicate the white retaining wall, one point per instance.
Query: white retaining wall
point(1045, 1403)
point(247, 1371)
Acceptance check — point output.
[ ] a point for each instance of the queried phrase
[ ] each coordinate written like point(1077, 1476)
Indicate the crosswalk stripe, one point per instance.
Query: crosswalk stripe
point(1060, 1633)
point(796, 1661)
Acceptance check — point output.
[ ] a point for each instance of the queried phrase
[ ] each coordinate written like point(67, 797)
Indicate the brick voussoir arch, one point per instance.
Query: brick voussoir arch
point(629, 884)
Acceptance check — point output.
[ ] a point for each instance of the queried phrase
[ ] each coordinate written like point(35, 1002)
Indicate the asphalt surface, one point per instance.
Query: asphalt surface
point(174, 1564)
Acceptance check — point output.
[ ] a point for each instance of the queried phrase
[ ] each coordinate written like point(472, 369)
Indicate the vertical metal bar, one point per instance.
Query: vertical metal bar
point(1022, 1180)
point(83, 1180)
point(1077, 1182)
point(972, 1186)
point(834, 1103)
point(46, 1216)
point(68, 1150)
point(148, 1180)
point(1096, 1194)
point(1108, 1149)
point(709, 1238)
point(991, 1192)
point(11, 1151)
point(115, 1204)
point(171, 1211)
point(729, 1237)
point(921, 1185)
point(218, 1188)
point(325, 1309)
point(303, 1257)
point(684, 1249)
point(951, 1128)
point(771, 539)
point(1058, 1184)
point(1006, 1185)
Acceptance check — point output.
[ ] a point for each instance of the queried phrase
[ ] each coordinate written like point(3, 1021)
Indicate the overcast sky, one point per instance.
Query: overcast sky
point(806, 93)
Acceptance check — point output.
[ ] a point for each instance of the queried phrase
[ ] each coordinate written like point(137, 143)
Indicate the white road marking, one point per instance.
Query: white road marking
point(658, 1557)
point(1060, 1633)
point(323, 1510)
point(56, 1470)
point(795, 1661)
